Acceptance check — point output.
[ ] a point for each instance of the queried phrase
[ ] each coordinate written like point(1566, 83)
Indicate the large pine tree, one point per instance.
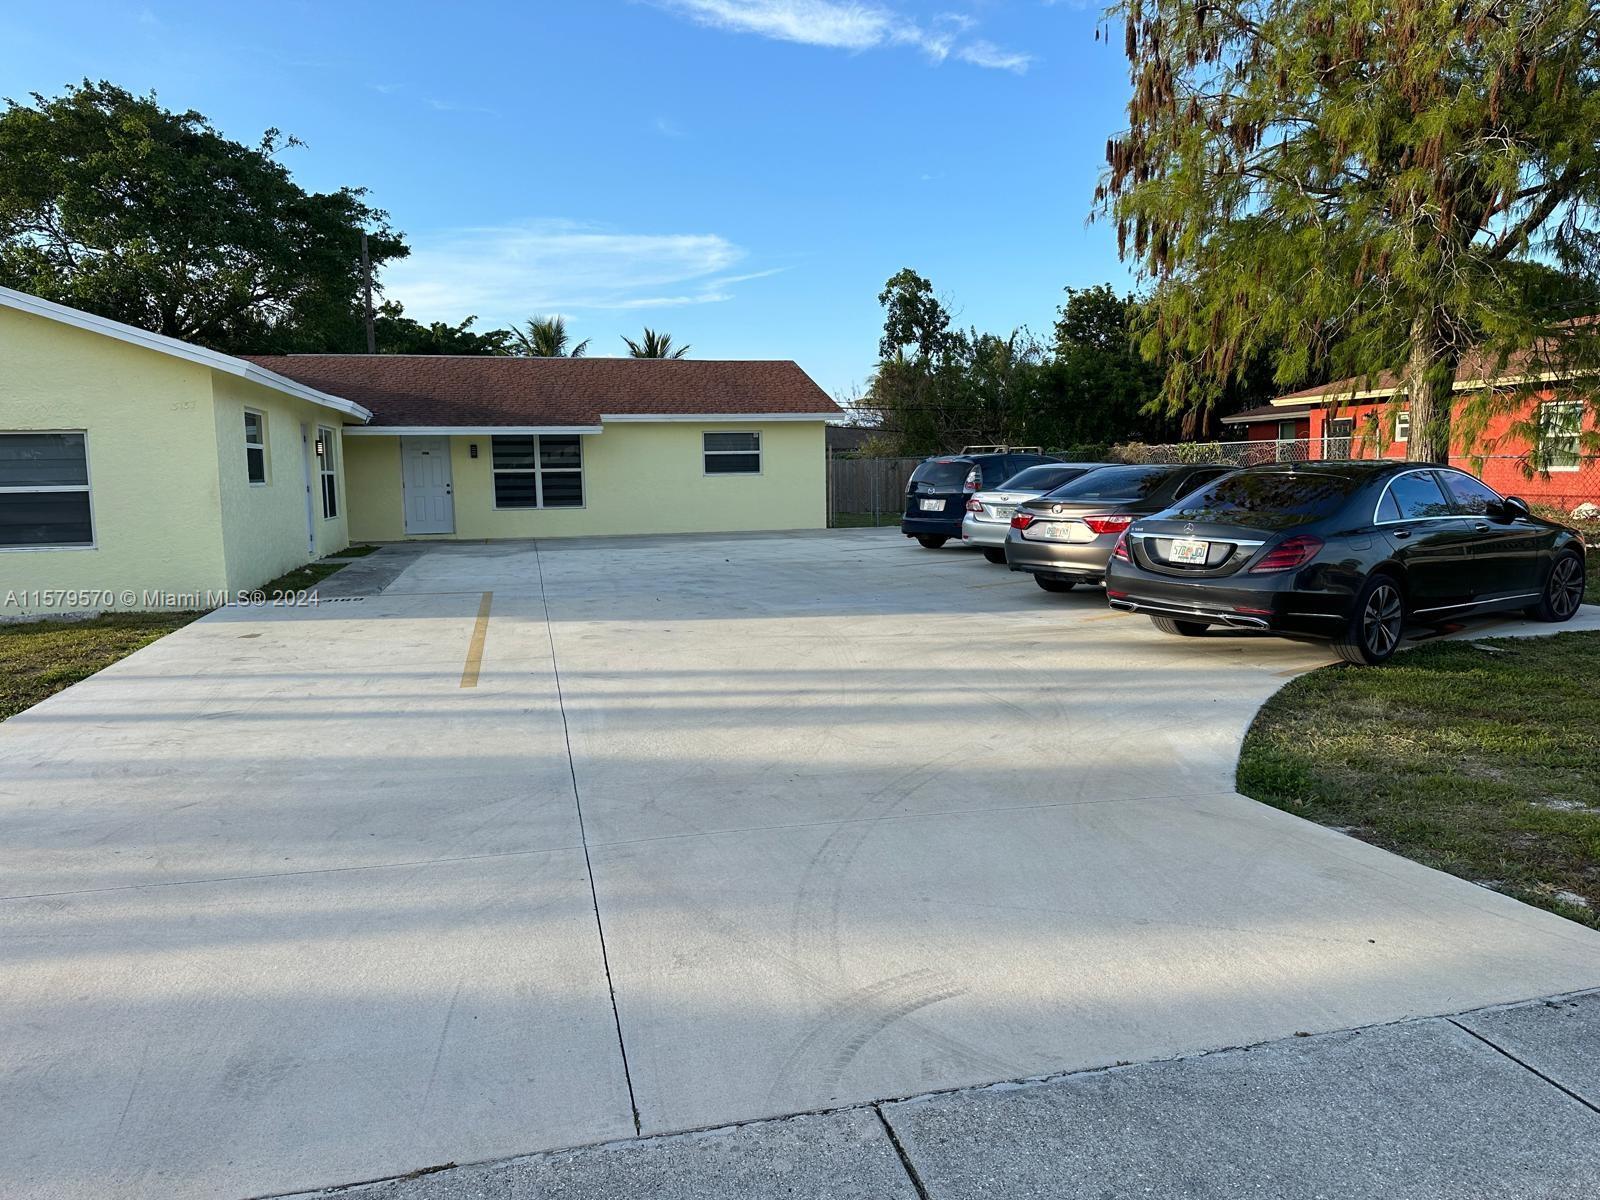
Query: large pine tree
point(1360, 186)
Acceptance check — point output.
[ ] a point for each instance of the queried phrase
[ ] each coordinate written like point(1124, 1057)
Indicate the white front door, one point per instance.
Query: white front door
point(425, 471)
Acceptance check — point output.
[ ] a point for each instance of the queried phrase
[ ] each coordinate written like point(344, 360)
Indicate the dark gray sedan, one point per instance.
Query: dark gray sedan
point(1065, 537)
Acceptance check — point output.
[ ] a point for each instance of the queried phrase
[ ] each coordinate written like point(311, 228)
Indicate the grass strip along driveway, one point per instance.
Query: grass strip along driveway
point(40, 658)
point(1481, 758)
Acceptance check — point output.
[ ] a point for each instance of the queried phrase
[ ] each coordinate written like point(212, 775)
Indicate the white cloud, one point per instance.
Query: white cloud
point(506, 273)
point(847, 25)
point(843, 26)
point(983, 53)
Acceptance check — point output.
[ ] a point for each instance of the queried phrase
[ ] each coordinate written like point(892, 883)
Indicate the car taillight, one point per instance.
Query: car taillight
point(974, 505)
point(973, 479)
point(1289, 554)
point(1021, 520)
point(1107, 524)
point(1120, 550)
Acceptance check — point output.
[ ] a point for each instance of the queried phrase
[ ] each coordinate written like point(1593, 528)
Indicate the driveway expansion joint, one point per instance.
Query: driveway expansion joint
point(583, 835)
point(1527, 1066)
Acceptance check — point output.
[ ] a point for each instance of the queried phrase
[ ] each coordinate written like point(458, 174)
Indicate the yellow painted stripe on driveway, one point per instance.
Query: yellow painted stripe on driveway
point(480, 631)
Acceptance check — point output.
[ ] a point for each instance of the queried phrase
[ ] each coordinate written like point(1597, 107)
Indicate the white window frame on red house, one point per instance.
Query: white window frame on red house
point(1402, 425)
point(1571, 427)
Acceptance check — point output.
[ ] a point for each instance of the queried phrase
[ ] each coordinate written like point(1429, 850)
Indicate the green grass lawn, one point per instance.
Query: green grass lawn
point(1478, 758)
point(40, 658)
point(301, 579)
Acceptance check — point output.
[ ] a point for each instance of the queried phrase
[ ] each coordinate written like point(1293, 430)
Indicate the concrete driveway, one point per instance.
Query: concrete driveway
point(721, 828)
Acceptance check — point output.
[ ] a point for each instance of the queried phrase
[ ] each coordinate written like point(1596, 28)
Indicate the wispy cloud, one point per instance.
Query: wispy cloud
point(457, 107)
point(667, 127)
point(982, 53)
point(503, 273)
point(851, 25)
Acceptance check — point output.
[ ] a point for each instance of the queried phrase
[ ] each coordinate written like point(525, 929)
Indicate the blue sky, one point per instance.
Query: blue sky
point(743, 173)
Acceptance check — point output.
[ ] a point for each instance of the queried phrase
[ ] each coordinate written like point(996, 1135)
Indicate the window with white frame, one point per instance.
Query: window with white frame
point(543, 471)
point(328, 469)
point(255, 445)
point(44, 491)
point(731, 453)
point(1560, 422)
point(1402, 425)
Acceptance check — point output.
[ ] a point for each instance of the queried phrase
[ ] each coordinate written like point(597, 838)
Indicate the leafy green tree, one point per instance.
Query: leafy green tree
point(111, 203)
point(547, 337)
point(1106, 385)
point(1354, 186)
point(655, 345)
point(914, 317)
point(397, 333)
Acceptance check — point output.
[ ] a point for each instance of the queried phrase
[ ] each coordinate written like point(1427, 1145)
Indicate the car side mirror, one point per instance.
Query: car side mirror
point(1513, 507)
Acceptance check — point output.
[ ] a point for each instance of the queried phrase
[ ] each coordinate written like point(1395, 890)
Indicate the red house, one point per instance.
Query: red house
point(1362, 418)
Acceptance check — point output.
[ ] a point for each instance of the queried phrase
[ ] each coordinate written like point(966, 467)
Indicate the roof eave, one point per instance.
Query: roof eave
point(173, 348)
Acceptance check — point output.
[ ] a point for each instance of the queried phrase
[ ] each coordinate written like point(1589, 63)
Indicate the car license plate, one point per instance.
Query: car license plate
point(1187, 550)
point(933, 506)
point(1004, 513)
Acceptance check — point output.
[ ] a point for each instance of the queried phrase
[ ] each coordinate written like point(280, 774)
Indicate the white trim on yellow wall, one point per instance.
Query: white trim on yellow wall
point(463, 430)
point(226, 363)
point(734, 418)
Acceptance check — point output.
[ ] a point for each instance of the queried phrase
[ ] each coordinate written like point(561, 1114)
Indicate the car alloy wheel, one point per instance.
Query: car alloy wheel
point(1382, 619)
point(1566, 586)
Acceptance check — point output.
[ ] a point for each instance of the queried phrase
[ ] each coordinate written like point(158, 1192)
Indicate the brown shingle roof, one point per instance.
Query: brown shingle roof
point(426, 389)
point(1268, 412)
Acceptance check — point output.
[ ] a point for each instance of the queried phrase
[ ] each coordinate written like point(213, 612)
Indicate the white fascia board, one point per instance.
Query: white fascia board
point(173, 348)
point(464, 430)
point(722, 418)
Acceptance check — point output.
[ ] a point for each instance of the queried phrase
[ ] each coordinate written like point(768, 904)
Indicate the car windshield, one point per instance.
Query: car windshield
point(1040, 478)
point(1268, 499)
point(942, 473)
point(1114, 483)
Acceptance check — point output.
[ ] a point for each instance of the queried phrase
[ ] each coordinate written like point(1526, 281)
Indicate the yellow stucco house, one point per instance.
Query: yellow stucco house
point(135, 468)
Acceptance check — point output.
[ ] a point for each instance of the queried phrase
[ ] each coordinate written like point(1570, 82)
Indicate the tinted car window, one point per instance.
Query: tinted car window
point(1198, 479)
point(1267, 499)
point(1041, 478)
point(1469, 495)
point(1114, 483)
point(1414, 496)
point(942, 474)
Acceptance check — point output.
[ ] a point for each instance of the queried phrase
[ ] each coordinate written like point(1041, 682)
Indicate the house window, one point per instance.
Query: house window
point(1559, 424)
point(328, 469)
point(732, 453)
point(255, 445)
point(1402, 425)
point(44, 491)
point(538, 472)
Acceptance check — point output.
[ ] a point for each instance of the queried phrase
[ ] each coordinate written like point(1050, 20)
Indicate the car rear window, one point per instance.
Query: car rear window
point(942, 473)
point(1267, 499)
point(1042, 478)
point(1114, 483)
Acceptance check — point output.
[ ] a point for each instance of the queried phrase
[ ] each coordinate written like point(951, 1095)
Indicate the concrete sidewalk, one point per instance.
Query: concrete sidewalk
point(1490, 1104)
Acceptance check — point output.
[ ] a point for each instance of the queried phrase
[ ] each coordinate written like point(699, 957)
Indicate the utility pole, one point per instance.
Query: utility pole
point(366, 287)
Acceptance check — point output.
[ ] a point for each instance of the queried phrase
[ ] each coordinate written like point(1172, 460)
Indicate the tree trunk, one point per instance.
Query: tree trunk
point(1430, 390)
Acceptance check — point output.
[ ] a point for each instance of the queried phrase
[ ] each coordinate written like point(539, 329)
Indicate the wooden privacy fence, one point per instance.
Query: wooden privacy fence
point(871, 488)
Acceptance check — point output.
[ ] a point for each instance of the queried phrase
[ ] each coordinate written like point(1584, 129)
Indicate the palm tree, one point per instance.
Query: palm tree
point(546, 337)
point(654, 345)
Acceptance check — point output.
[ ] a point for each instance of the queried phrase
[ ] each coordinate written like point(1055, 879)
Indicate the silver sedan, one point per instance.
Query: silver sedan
point(988, 515)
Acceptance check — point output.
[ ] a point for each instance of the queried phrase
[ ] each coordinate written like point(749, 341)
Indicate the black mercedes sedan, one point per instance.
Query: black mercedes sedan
point(1349, 551)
